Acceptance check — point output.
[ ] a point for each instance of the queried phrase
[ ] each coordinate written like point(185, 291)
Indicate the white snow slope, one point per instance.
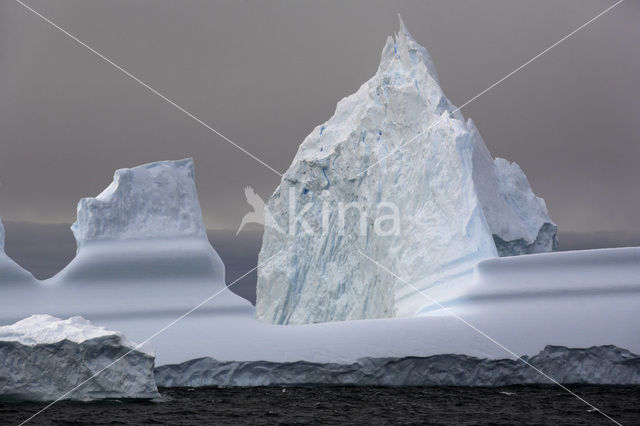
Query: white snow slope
point(10, 272)
point(44, 357)
point(583, 299)
point(455, 204)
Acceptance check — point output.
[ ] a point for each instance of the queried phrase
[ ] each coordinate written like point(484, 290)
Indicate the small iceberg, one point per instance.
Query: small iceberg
point(45, 358)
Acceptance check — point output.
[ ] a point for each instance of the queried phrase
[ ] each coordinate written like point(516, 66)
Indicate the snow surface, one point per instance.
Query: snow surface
point(524, 302)
point(457, 205)
point(47, 329)
point(44, 357)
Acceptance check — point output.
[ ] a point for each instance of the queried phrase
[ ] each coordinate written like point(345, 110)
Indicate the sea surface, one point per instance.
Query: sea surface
point(347, 405)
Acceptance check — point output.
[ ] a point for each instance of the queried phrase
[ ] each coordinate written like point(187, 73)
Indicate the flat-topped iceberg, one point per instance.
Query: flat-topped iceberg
point(44, 358)
point(398, 174)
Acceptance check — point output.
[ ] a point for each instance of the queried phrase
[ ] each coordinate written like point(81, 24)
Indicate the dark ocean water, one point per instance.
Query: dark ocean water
point(348, 405)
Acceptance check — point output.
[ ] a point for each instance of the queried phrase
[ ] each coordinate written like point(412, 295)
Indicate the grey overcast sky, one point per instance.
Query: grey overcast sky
point(265, 73)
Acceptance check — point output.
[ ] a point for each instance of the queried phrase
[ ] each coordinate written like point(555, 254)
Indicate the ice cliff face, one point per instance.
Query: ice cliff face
point(596, 365)
point(156, 200)
point(44, 357)
point(146, 224)
point(429, 211)
point(518, 220)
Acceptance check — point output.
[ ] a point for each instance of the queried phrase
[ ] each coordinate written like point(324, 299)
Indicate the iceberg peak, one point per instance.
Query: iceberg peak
point(406, 53)
point(403, 27)
point(405, 40)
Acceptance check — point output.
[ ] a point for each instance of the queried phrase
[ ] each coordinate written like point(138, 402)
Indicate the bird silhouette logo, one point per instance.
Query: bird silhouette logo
point(260, 213)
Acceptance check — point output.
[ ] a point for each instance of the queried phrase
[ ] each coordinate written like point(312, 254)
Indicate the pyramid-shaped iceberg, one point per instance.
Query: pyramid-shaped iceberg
point(399, 175)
